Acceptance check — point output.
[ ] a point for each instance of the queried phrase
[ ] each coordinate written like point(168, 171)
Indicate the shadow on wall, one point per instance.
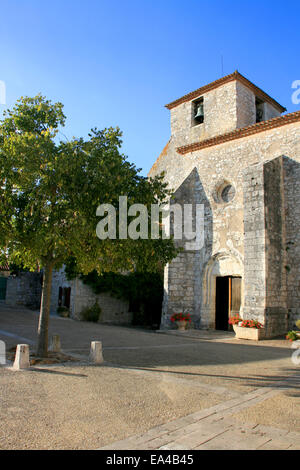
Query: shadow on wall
point(24, 289)
point(291, 172)
point(183, 276)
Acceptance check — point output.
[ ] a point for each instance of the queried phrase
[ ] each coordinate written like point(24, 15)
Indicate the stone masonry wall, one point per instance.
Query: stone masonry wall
point(270, 112)
point(226, 161)
point(291, 175)
point(183, 276)
point(24, 289)
point(219, 116)
point(275, 253)
point(264, 192)
point(254, 244)
point(271, 223)
point(59, 280)
point(226, 108)
point(215, 165)
point(113, 310)
point(245, 106)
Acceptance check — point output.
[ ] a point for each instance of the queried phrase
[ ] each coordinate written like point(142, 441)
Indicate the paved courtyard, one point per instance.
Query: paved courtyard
point(203, 390)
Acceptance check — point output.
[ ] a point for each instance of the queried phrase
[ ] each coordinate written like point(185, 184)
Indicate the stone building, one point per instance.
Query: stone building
point(24, 288)
point(75, 295)
point(4, 274)
point(233, 150)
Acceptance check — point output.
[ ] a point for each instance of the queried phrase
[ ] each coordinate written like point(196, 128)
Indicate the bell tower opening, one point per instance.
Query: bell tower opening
point(197, 112)
point(228, 300)
point(260, 110)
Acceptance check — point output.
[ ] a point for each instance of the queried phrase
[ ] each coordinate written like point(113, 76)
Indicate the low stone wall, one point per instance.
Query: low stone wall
point(24, 289)
point(113, 310)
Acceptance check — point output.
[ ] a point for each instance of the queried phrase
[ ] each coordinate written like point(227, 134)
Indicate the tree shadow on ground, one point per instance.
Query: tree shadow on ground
point(289, 382)
point(56, 372)
point(197, 353)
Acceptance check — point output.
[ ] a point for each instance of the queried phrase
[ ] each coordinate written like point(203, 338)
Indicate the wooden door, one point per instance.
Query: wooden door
point(235, 295)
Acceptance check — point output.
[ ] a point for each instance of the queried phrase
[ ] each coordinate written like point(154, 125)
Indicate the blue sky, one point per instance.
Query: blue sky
point(119, 62)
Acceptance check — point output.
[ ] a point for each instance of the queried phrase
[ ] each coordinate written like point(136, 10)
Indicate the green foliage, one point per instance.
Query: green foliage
point(63, 311)
point(49, 193)
point(91, 313)
point(143, 290)
point(145, 295)
point(298, 324)
point(292, 335)
point(17, 268)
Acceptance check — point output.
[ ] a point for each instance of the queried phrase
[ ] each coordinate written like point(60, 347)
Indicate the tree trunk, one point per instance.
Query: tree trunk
point(42, 341)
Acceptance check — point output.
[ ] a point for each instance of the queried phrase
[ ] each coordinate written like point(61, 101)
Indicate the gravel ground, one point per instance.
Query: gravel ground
point(281, 411)
point(148, 379)
point(88, 407)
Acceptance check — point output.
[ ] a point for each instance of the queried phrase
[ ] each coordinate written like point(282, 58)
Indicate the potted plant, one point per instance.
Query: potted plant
point(294, 335)
point(298, 326)
point(181, 320)
point(247, 329)
point(235, 320)
point(63, 312)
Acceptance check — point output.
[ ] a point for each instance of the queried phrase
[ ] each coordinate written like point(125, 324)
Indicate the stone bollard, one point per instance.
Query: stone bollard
point(2, 353)
point(22, 357)
point(96, 352)
point(55, 344)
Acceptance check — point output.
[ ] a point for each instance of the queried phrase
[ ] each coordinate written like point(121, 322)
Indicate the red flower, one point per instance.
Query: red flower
point(251, 324)
point(234, 320)
point(181, 317)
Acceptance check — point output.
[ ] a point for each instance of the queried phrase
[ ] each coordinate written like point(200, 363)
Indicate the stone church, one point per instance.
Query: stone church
point(234, 150)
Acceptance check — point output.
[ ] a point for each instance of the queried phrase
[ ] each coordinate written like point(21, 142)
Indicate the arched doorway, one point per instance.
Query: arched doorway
point(222, 290)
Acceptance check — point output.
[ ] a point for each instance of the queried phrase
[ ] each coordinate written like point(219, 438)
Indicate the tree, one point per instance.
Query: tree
point(50, 190)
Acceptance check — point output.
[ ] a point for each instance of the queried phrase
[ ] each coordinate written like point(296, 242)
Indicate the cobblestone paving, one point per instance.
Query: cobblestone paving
point(213, 429)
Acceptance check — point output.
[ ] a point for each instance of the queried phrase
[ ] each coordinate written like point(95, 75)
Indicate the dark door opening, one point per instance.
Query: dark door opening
point(222, 303)
point(228, 300)
point(3, 282)
point(64, 297)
